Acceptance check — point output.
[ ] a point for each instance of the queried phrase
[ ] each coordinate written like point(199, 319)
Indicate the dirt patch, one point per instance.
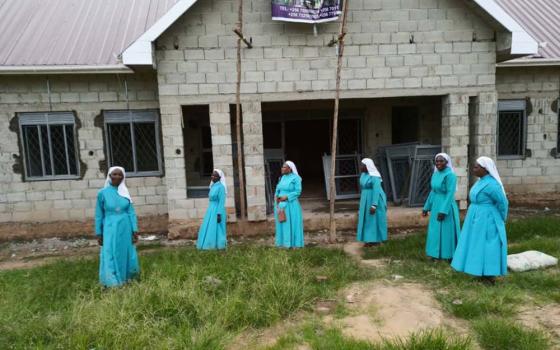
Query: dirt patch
point(388, 310)
point(546, 317)
point(263, 338)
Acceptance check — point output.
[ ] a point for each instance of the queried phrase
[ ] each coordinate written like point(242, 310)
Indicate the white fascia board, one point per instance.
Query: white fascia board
point(141, 52)
point(521, 42)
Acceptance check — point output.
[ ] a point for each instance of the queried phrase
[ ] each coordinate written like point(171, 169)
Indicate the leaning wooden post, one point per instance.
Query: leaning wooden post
point(240, 165)
point(340, 43)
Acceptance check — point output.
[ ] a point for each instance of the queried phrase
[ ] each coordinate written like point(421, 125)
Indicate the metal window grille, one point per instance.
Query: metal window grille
point(511, 128)
point(207, 159)
point(49, 145)
point(133, 141)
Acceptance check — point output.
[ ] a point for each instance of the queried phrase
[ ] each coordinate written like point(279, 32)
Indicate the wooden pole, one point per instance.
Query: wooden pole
point(332, 185)
point(240, 165)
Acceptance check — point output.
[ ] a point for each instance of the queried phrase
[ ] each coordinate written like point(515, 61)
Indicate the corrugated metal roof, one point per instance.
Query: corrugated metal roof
point(541, 19)
point(73, 32)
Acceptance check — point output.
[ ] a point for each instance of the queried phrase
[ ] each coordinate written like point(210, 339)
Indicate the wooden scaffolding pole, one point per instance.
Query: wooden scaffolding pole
point(340, 51)
point(240, 165)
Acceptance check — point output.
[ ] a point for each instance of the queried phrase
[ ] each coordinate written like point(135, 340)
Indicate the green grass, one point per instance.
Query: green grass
point(496, 334)
point(62, 306)
point(318, 337)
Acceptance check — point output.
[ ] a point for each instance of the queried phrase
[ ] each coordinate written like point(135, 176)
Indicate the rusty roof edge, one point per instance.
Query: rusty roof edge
point(530, 62)
point(65, 69)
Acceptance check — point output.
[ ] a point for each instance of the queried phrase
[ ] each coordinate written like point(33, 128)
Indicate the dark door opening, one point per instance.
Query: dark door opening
point(405, 124)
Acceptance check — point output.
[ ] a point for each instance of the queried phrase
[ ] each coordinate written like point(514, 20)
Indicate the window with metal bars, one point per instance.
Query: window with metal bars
point(512, 129)
point(49, 143)
point(133, 141)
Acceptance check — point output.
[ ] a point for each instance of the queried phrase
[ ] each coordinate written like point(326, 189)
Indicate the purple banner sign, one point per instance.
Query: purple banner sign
point(306, 11)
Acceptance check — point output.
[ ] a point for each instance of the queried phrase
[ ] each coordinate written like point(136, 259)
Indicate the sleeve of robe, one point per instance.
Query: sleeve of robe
point(133, 218)
point(499, 198)
point(99, 215)
point(222, 198)
point(450, 188)
point(376, 186)
point(292, 196)
point(429, 201)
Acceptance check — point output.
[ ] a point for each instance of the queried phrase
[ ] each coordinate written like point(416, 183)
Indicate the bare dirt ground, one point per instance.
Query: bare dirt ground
point(545, 317)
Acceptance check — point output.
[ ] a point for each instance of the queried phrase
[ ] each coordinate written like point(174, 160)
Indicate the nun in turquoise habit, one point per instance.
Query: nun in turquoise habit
point(482, 247)
point(444, 226)
point(212, 233)
point(287, 210)
point(116, 228)
point(372, 217)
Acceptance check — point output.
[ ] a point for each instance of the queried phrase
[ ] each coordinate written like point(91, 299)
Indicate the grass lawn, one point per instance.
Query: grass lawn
point(203, 300)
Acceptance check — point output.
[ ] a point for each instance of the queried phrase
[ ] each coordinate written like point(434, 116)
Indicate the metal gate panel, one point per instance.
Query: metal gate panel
point(347, 178)
point(399, 163)
point(422, 170)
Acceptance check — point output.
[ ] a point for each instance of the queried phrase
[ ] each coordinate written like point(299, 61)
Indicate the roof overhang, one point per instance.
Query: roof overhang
point(67, 69)
point(522, 44)
point(141, 51)
point(530, 62)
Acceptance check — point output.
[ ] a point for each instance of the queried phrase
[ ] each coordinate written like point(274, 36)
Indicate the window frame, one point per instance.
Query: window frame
point(49, 119)
point(513, 105)
point(130, 117)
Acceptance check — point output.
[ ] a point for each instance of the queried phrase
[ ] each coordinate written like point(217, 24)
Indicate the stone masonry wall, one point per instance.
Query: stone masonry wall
point(393, 49)
point(539, 172)
point(70, 200)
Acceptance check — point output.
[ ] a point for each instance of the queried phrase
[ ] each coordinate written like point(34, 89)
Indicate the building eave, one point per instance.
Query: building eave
point(141, 51)
point(530, 62)
point(521, 42)
point(66, 69)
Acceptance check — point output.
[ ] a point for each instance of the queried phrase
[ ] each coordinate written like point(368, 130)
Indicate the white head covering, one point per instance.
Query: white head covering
point(370, 165)
point(122, 189)
point(222, 179)
point(490, 166)
point(447, 158)
point(292, 166)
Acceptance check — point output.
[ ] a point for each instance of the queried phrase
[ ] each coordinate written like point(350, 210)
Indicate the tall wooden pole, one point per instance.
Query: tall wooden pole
point(240, 166)
point(332, 185)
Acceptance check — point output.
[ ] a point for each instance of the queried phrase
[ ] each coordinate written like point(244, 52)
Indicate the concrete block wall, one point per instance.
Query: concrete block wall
point(539, 172)
point(455, 139)
point(87, 96)
point(392, 48)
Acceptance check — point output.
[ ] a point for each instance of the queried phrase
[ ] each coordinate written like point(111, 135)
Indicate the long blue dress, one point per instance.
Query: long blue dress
point(372, 228)
point(212, 235)
point(442, 235)
point(289, 234)
point(482, 247)
point(116, 221)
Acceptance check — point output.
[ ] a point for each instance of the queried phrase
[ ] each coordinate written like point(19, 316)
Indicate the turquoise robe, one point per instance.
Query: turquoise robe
point(289, 234)
point(372, 228)
point(482, 247)
point(212, 235)
point(116, 221)
point(441, 240)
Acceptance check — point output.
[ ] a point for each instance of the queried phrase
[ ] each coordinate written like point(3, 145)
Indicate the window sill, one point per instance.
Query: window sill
point(145, 174)
point(52, 178)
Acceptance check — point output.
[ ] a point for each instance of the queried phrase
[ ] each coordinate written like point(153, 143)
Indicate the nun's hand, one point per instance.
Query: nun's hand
point(424, 213)
point(219, 218)
point(372, 210)
point(441, 216)
point(283, 199)
point(135, 237)
point(100, 241)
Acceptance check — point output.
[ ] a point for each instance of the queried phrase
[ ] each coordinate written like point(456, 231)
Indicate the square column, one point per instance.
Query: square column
point(222, 150)
point(253, 150)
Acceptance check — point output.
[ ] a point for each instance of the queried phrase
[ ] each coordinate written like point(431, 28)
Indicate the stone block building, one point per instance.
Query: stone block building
point(153, 89)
